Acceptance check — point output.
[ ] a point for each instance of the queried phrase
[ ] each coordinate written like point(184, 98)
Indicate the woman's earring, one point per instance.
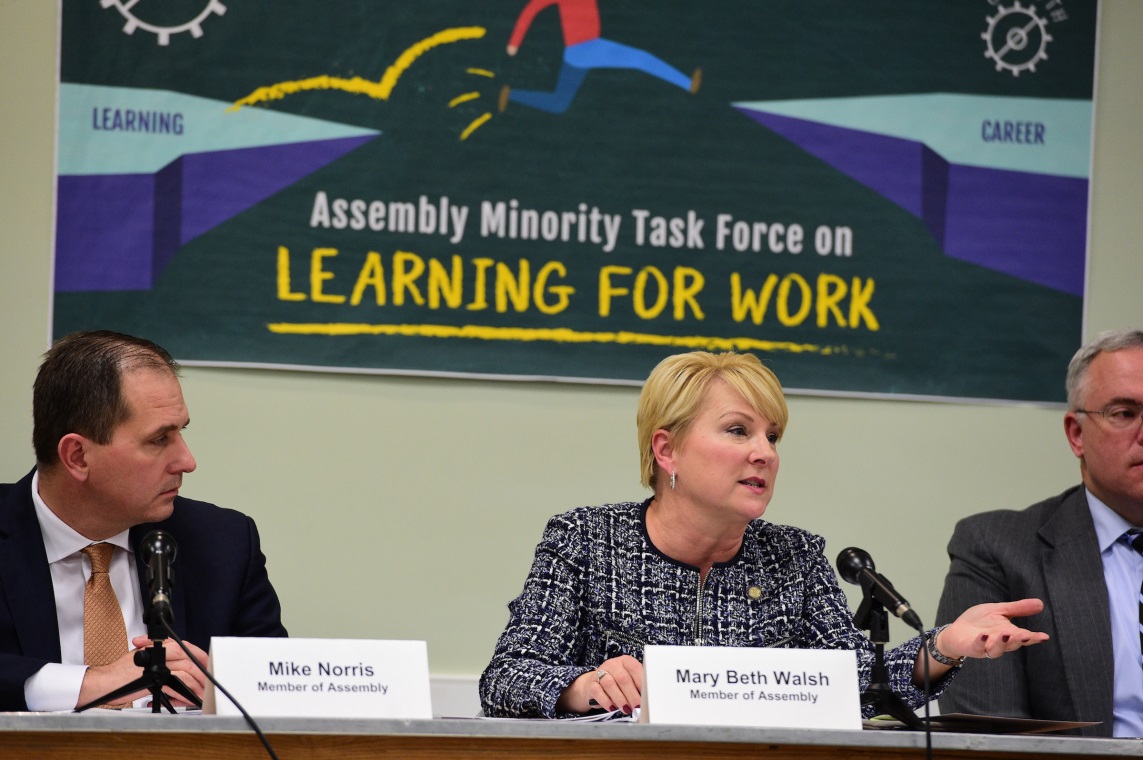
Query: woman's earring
point(672, 480)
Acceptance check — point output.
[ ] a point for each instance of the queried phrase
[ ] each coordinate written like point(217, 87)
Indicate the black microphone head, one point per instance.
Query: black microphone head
point(158, 550)
point(158, 542)
point(851, 562)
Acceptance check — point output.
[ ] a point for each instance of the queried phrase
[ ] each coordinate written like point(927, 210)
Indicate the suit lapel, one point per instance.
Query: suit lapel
point(25, 578)
point(1073, 572)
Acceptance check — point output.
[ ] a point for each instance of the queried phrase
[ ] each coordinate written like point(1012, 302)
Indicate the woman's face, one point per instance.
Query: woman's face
point(728, 461)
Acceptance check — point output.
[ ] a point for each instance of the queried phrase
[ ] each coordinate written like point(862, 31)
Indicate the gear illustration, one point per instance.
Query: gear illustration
point(161, 28)
point(1016, 38)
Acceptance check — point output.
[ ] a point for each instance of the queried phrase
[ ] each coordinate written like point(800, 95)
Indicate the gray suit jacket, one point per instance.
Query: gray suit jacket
point(1048, 551)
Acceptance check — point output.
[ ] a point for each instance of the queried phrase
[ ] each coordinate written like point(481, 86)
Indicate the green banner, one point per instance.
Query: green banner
point(881, 197)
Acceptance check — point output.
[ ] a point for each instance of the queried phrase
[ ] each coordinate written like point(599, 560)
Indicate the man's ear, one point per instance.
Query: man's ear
point(1074, 431)
point(73, 450)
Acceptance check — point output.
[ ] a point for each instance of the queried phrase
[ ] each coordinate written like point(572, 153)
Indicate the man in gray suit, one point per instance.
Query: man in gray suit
point(1073, 552)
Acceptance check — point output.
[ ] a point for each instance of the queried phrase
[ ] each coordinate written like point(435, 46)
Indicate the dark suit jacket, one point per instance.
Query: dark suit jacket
point(220, 585)
point(1048, 551)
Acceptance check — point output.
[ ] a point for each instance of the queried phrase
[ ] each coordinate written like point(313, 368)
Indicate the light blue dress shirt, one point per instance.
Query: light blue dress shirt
point(1123, 571)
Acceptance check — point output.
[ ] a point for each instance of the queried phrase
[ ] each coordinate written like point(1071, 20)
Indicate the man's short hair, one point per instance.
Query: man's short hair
point(1105, 342)
point(78, 388)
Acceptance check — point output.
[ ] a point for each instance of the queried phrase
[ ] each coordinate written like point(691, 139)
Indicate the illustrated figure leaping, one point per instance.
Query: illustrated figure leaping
point(584, 50)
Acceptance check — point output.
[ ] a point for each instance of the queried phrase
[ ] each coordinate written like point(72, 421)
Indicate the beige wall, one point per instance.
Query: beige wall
point(418, 502)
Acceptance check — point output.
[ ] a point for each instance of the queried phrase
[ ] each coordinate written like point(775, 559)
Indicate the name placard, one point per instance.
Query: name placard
point(353, 678)
point(748, 686)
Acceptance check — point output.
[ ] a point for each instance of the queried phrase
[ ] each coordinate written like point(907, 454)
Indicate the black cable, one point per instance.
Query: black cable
point(926, 686)
point(217, 685)
point(924, 651)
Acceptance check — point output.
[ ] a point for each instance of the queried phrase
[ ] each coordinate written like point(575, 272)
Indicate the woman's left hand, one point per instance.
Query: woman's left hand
point(987, 630)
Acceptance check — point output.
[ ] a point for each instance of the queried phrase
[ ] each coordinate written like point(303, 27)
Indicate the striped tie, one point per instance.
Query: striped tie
point(1135, 539)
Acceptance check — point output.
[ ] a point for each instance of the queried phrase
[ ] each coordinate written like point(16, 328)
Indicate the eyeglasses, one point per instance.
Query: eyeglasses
point(1119, 416)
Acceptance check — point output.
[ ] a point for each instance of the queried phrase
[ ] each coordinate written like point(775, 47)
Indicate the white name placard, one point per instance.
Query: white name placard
point(747, 686)
point(353, 678)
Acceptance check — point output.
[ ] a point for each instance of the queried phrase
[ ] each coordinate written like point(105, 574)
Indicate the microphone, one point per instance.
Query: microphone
point(158, 550)
point(856, 566)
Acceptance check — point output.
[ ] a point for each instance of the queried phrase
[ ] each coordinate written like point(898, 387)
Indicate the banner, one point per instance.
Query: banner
point(880, 197)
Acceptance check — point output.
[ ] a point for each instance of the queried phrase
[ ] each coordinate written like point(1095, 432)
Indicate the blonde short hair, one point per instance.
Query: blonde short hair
point(674, 392)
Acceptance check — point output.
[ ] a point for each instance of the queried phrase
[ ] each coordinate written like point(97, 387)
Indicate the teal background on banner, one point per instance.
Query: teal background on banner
point(915, 276)
point(439, 488)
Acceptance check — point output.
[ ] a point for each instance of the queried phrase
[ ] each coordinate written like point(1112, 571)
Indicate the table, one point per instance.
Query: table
point(103, 734)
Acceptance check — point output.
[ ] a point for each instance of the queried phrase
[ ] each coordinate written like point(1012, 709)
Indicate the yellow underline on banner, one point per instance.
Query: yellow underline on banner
point(357, 85)
point(556, 335)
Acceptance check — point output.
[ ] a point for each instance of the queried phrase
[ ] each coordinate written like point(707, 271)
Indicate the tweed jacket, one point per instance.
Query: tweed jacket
point(598, 588)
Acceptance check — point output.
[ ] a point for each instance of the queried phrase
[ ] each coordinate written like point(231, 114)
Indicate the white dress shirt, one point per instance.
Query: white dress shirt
point(56, 686)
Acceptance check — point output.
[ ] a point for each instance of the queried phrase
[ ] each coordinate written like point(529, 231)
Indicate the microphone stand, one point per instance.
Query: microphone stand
point(156, 674)
point(873, 617)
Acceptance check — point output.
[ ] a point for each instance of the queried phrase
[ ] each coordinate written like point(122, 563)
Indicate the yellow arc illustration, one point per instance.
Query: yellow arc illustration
point(357, 85)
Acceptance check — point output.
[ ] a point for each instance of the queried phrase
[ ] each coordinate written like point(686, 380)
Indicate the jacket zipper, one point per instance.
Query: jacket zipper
point(698, 614)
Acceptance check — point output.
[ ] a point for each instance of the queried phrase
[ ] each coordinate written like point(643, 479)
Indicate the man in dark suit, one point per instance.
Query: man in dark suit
point(1074, 552)
point(108, 416)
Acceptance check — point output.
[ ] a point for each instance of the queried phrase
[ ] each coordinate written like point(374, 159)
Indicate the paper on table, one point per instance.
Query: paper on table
point(617, 716)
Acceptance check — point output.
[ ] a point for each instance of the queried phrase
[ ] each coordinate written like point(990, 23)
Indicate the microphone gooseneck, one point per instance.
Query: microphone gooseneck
point(856, 566)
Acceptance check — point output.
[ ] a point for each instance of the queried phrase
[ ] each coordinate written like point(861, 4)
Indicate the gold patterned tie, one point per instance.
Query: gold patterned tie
point(104, 634)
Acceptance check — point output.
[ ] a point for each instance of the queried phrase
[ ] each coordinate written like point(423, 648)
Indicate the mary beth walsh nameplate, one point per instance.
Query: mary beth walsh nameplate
point(352, 678)
point(748, 686)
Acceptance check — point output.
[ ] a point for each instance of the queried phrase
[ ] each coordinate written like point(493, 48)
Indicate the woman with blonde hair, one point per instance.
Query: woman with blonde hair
point(695, 564)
